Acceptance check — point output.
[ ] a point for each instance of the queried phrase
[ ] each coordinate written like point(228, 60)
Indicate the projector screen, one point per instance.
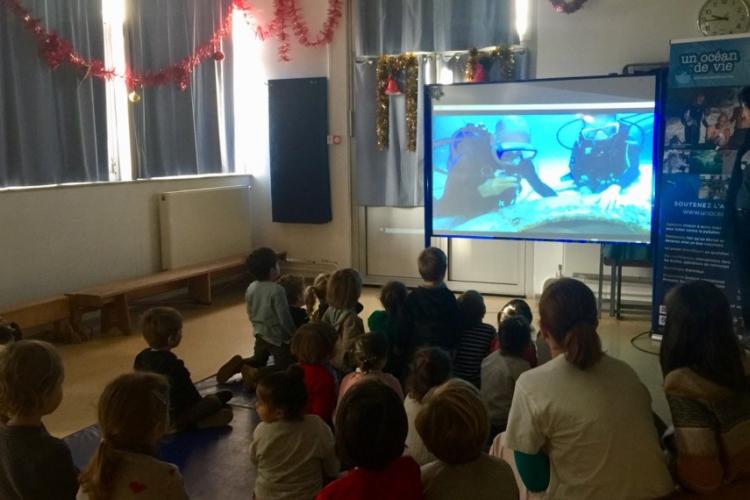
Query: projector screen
point(561, 160)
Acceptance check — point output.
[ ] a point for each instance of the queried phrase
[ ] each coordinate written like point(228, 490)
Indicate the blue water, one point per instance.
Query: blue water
point(552, 136)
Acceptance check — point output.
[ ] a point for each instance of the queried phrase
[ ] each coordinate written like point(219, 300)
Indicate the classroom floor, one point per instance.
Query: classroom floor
point(212, 334)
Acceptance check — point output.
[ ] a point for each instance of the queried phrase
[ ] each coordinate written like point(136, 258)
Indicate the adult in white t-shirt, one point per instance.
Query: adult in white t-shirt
point(584, 416)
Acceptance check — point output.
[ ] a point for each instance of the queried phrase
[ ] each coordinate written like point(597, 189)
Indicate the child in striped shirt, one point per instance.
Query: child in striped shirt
point(475, 340)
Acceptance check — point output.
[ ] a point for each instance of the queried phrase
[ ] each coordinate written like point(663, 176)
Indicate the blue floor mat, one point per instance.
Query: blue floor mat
point(215, 463)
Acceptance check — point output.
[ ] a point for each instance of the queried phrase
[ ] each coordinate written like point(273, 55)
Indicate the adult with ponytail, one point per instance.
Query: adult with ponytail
point(133, 417)
point(581, 425)
point(707, 384)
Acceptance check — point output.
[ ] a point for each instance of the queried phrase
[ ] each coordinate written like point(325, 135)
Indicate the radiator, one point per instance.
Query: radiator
point(202, 225)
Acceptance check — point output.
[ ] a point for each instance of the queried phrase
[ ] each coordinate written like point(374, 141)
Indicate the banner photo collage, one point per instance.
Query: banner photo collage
point(706, 126)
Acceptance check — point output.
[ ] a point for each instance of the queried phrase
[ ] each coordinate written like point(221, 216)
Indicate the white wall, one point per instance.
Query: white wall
point(57, 240)
point(326, 242)
point(601, 38)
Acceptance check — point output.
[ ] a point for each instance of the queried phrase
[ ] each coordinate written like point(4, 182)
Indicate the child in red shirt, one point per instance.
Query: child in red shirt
point(371, 429)
point(312, 345)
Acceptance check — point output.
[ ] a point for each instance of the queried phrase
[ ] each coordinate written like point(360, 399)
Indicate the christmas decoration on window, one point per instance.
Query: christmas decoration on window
point(475, 64)
point(389, 71)
point(56, 51)
point(567, 6)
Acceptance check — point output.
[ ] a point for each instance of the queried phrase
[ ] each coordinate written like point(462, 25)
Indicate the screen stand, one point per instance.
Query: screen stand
point(601, 279)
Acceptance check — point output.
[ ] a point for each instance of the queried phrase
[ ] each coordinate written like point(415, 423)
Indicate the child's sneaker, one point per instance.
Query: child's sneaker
point(228, 369)
point(221, 418)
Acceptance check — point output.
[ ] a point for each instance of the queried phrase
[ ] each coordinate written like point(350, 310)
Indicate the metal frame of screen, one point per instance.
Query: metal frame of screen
point(659, 90)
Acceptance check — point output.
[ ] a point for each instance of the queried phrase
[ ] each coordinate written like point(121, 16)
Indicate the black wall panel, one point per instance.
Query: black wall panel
point(300, 177)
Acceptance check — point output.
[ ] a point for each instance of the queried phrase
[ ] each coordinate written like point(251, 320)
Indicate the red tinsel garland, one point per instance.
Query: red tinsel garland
point(325, 35)
point(55, 50)
point(567, 6)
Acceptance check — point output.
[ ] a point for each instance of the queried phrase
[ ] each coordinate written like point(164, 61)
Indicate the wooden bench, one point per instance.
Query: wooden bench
point(113, 298)
point(54, 311)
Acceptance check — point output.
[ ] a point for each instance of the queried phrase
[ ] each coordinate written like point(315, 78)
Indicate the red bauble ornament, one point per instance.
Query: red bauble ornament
point(218, 55)
point(567, 6)
point(480, 75)
point(392, 87)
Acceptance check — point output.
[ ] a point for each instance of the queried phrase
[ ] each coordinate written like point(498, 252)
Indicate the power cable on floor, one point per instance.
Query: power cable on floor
point(634, 339)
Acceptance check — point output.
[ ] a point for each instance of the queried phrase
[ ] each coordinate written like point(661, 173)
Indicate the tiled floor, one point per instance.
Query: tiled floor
point(213, 334)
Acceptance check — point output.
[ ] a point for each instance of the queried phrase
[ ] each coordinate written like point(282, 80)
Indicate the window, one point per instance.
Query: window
point(60, 127)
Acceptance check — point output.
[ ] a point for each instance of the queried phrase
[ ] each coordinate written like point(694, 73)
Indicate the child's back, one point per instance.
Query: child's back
point(312, 345)
point(474, 344)
point(269, 313)
point(344, 290)
point(501, 370)
point(499, 375)
point(292, 457)
point(431, 315)
point(133, 416)
point(371, 428)
point(33, 464)
point(162, 330)
point(487, 478)
point(393, 298)
point(431, 318)
point(473, 347)
point(293, 452)
point(182, 393)
point(454, 426)
point(398, 481)
point(145, 478)
point(27, 453)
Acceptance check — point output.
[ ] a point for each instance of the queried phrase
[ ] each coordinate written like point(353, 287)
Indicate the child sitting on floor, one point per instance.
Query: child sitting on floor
point(315, 295)
point(454, 427)
point(33, 464)
point(369, 353)
point(370, 431)
point(431, 315)
point(293, 452)
point(393, 298)
point(294, 286)
point(344, 290)
point(133, 417)
point(162, 329)
point(312, 345)
point(273, 325)
point(431, 367)
point(500, 370)
point(536, 353)
point(474, 344)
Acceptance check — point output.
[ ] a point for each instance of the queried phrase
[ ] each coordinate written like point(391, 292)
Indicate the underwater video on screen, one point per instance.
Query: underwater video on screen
point(576, 168)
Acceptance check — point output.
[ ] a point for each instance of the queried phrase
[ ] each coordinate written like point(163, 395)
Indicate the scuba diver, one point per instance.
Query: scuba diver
point(605, 159)
point(485, 170)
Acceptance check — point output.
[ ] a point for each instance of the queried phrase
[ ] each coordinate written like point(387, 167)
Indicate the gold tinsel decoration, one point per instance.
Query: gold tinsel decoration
point(507, 61)
point(503, 52)
point(408, 65)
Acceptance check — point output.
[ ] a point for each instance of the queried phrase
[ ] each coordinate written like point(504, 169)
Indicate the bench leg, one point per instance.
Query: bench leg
point(65, 332)
point(76, 324)
point(199, 289)
point(116, 315)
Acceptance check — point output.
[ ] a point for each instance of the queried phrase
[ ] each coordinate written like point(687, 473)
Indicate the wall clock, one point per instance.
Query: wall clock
point(724, 17)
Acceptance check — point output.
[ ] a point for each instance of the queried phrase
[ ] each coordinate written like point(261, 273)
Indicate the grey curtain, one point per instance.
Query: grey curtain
point(52, 123)
point(393, 177)
point(396, 26)
point(178, 132)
